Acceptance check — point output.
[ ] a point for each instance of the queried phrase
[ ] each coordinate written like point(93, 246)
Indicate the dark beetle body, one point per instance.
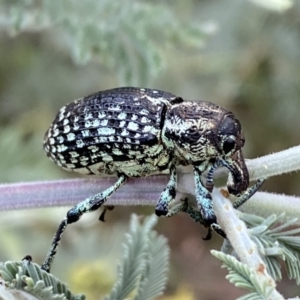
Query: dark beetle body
point(115, 131)
point(133, 132)
point(138, 132)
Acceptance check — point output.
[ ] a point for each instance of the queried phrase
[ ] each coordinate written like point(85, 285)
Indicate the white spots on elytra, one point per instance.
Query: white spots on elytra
point(147, 128)
point(74, 160)
point(101, 115)
point(117, 152)
point(102, 139)
point(93, 148)
point(132, 126)
point(61, 117)
point(58, 162)
point(53, 149)
point(122, 124)
point(145, 120)
point(62, 113)
point(85, 133)
point(88, 123)
point(92, 123)
point(70, 166)
point(107, 158)
point(80, 143)
point(134, 117)
point(55, 132)
point(60, 156)
point(106, 131)
point(96, 123)
point(67, 129)
point(60, 139)
point(115, 133)
point(94, 157)
point(96, 140)
point(142, 90)
point(144, 112)
point(104, 122)
point(115, 108)
point(88, 116)
point(83, 158)
point(71, 136)
point(125, 132)
point(122, 116)
point(61, 148)
point(74, 154)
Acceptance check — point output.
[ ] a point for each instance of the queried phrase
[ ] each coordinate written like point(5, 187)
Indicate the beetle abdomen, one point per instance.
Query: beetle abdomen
point(100, 132)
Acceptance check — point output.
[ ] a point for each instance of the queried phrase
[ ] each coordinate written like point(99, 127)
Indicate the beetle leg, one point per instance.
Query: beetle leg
point(248, 193)
point(204, 200)
point(217, 228)
point(168, 194)
point(182, 207)
point(73, 215)
point(103, 214)
point(197, 217)
point(209, 178)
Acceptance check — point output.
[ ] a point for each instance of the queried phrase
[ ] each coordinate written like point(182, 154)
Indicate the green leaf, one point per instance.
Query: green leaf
point(145, 263)
point(28, 277)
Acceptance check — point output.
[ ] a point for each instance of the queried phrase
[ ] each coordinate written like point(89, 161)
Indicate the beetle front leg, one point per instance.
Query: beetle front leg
point(204, 199)
point(169, 193)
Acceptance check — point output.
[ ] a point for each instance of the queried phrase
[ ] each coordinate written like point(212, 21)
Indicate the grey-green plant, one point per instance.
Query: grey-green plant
point(126, 38)
point(269, 236)
point(142, 273)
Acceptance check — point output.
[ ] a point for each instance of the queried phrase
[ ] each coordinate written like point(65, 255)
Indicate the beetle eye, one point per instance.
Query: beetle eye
point(228, 145)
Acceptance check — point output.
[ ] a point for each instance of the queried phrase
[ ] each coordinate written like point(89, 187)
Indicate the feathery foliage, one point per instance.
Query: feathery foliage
point(29, 277)
point(128, 40)
point(105, 30)
point(243, 276)
point(145, 264)
point(276, 240)
point(141, 274)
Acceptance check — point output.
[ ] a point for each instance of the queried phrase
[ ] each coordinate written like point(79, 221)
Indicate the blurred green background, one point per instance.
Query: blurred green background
point(238, 54)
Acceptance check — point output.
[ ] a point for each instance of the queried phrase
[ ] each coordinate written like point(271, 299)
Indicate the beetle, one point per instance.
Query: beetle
point(134, 132)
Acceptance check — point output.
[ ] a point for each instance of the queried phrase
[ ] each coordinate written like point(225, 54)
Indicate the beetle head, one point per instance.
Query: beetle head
point(203, 134)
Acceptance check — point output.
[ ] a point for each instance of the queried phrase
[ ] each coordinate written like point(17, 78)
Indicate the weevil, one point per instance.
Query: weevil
point(134, 132)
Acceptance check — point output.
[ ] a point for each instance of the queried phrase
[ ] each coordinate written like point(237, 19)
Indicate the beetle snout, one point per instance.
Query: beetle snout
point(237, 188)
point(238, 180)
